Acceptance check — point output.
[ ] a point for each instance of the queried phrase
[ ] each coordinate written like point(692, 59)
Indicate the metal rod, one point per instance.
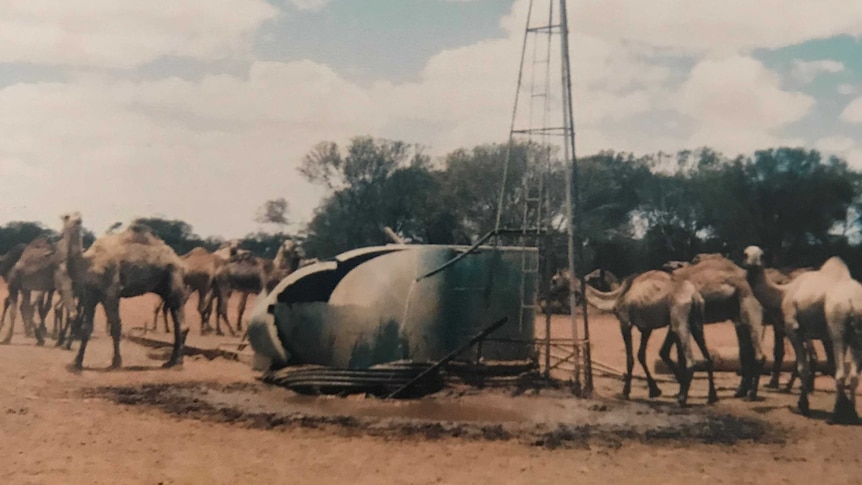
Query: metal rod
point(392, 235)
point(469, 250)
point(451, 355)
point(576, 196)
point(571, 180)
point(512, 125)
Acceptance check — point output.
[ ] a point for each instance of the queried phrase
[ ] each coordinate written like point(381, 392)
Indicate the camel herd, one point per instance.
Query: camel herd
point(823, 303)
point(127, 264)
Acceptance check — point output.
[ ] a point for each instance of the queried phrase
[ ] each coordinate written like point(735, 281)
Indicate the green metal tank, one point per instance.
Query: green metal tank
point(379, 304)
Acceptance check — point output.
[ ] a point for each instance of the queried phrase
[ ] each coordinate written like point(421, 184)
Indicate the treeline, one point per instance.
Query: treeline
point(177, 234)
point(638, 211)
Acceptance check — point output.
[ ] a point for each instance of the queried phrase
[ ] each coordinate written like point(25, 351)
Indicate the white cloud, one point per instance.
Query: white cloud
point(106, 33)
point(835, 144)
point(853, 112)
point(806, 71)
point(312, 5)
point(848, 89)
point(738, 104)
point(210, 151)
point(847, 148)
point(724, 27)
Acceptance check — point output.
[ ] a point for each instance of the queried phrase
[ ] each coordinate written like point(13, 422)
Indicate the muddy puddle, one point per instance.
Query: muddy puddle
point(549, 421)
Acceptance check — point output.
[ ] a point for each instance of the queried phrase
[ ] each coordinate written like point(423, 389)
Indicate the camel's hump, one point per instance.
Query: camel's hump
point(835, 268)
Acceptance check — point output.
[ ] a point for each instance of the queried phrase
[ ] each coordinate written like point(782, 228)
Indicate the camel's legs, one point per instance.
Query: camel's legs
point(242, 302)
point(654, 391)
point(165, 311)
point(221, 313)
point(180, 334)
point(697, 335)
point(802, 363)
point(204, 307)
point(86, 331)
point(112, 311)
point(664, 353)
point(206, 315)
point(28, 309)
point(749, 331)
point(156, 311)
point(11, 304)
point(58, 320)
point(747, 362)
point(630, 361)
point(777, 352)
point(5, 309)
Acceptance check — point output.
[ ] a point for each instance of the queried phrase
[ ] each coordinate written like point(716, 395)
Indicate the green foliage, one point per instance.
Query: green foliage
point(638, 212)
point(273, 212)
point(175, 233)
point(21, 232)
point(373, 184)
point(263, 244)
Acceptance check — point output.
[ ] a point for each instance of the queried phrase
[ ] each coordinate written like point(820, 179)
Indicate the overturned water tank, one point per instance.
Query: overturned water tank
point(387, 303)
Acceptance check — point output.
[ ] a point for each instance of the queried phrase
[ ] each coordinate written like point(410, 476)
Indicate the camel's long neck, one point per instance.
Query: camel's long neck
point(767, 293)
point(71, 268)
point(603, 300)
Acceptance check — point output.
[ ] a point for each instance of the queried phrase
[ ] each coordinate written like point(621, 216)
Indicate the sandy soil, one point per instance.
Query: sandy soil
point(62, 427)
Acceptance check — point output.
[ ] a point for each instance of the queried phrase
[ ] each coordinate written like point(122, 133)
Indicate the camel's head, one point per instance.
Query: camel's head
point(233, 247)
point(288, 246)
point(752, 257)
point(71, 219)
point(560, 281)
point(672, 266)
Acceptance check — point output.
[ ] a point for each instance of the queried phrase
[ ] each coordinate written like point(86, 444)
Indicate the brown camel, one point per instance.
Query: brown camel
point(770, 286)
point(843, 309)
point(7, 262)
point(562, 281)
point(803, 311)
point(250, 274)
point(42, 267)
point(728, 296)
point(653, 300)
point(204, 276)
point(247, 274)
point(124, 265)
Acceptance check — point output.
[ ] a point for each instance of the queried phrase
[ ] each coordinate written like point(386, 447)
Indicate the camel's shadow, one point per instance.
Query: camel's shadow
point(821, 415)
point(130, 368)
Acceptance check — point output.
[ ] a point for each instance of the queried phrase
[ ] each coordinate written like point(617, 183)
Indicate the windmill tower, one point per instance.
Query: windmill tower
point(543, 119)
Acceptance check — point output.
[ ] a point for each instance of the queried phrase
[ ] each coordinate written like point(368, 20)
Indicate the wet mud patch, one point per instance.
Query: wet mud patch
point(548, 422)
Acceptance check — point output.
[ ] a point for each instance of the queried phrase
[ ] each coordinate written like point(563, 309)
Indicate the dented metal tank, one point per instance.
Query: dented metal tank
point(382, 304)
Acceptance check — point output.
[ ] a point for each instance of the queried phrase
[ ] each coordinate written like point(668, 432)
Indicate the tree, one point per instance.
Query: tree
point(21, 232)
point(273, 212)
point(372, 184)
point(175, 233)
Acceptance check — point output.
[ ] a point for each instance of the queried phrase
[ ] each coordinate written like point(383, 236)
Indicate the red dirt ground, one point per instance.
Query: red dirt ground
point(52, 432)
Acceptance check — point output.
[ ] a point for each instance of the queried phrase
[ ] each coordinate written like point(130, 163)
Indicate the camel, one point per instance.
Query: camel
point(247, 274)
point(43, 299)
point(653, 300)
point(251, 274)
point(770, 287)
point(804, 313)
point(7, 262)
point(728, 296)
point(562, 281)
point(843, 311)
point(42, 267)
point(204, 276)
point(126, 264)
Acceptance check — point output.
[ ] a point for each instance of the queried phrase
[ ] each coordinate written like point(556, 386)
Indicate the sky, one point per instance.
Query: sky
point(201, 110)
